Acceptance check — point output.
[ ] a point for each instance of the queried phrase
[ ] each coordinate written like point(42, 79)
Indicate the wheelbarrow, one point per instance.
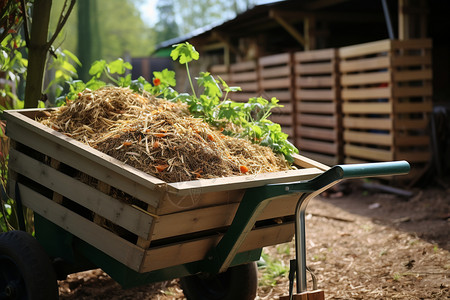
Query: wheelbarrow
point(92, 211)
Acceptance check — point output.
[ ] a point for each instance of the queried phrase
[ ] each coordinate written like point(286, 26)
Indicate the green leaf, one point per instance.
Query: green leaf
point(72, 57)
point(207, 81)
point(166, 76)
point(184, 53)
point(118, 66)
point(97, 68)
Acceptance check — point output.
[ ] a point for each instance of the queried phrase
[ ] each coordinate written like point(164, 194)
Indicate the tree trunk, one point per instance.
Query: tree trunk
point(37, 52)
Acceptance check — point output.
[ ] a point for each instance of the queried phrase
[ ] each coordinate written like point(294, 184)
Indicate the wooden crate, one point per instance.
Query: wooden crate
point(318, 106)
point(138, 220)
point(275, 80)
point(244, 75)
point(386, 94)
point(222, 71)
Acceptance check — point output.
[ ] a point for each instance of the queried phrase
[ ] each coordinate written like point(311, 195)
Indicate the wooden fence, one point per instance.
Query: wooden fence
point(362, 103)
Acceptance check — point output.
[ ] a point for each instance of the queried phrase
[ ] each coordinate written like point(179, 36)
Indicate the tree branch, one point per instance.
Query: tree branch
point(25, 23)
point(61, 22)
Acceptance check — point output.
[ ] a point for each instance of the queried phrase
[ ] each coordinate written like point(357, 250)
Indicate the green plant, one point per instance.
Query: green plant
point(272, 270)
point(215, 108)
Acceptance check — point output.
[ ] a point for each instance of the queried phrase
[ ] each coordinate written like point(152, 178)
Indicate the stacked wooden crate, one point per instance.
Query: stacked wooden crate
point(275, 80)
point(386, 94)
point(244, 75)
point(318, 120)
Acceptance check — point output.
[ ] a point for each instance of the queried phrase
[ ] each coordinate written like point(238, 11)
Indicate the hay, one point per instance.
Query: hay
point(159, 137)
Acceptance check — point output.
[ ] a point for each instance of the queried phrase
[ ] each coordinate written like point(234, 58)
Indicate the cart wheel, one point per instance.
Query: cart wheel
point(26, 271)
point(239, 282)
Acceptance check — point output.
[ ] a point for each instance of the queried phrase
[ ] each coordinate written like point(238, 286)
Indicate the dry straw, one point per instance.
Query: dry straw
point(159, 137)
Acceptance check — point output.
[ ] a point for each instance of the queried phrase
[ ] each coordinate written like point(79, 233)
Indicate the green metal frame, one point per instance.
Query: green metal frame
point(60, 243)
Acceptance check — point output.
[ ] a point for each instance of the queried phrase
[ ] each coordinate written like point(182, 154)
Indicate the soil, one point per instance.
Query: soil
point(361, 243)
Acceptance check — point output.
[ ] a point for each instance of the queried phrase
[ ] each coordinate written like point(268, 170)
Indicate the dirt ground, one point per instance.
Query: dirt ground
point(361, 244)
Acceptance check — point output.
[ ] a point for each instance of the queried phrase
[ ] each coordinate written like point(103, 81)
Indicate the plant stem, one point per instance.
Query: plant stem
point(190, 80)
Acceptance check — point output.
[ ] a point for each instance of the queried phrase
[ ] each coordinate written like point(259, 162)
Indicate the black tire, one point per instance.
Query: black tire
point(26, 271)
point(237, 283)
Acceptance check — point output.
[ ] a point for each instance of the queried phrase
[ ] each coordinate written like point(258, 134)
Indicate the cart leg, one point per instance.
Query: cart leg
point(313, 295)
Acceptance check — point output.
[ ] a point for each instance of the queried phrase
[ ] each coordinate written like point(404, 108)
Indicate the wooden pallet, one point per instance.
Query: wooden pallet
point(386, 94)
point(275, 80)
point(129, 215)
point(318, 106)
point(245, 76)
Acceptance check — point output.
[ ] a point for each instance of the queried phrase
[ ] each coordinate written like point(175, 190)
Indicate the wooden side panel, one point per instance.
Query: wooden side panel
point(244, 75)
point(318, 109)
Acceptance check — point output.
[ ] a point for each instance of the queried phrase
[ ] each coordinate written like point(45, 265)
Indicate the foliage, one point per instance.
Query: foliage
point(166, 27)
point(272, 270)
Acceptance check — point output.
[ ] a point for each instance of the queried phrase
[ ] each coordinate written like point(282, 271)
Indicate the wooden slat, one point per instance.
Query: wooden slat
point(368, 123)
point(411, 60)
point(424, 107)
point(314, 120)
point(330, 160)
point(423, 140)
point(157, 258)
point(314, 68)
point(318, 146)
point(283, 120)
point(114, 246)
point(240, 182)
point(305, 162)
point(414, 156)
point(318, 133)
point(215, 69)
point(368, 153)
point(243, 66)
point(112, 209)
point(402, 124)
point(283, 96)
point(412, 75)
point(315, 81)
point(248, 87)
point(364, 49)
point(368, 138)
point(278, 83)
point(366, 93)
point(242, 96)
point(410, 91)
point(321, 107)
point(319, 95)
point(412, 44)
point(276, 59)
point(365, 78)
point(367, 108)
point(283, 71)
point(374, 63)
point(315, 55)
point(243, 77)
point(96, 168)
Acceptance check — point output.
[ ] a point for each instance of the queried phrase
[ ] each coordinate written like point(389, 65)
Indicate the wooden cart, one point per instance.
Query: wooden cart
point(93, 211)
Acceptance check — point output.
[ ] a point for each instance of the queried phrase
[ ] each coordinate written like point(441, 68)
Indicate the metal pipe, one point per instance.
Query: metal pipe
point(300, 242)
point(387, 17)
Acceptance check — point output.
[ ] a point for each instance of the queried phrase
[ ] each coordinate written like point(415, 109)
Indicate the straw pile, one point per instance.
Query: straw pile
point(159, 137)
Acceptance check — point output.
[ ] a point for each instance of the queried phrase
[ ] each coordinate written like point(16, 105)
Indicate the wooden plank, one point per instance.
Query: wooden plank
point(305, 162)
point(315, 120)
point(318, 95)
point(368, 138)
point(366, 93)
point(314, 68)
point(314, 81)
point(242, 96)
point(243, 66)
point(175, 203)
point(407, 124)
point(318, 133)
point(80, 162)
point(244, 77)
point(401, 140)
point(368, 153)
point(112, 209)
point(318, 146)
point(317, 107)
point(367, 108)
point(365, 78)
point(283, 71)
point(411, 60)
point(248, 87)
point(315, 55)
point(283, 96)
point(412, 75)
point(412, 44)
point(413, 91)
point(420, 107)
point(413, 156)
point(277, 83)
point(283, 120)
point(240, 182)
point(219, 69)
point(364, 49)
point(326, 159)
point(181, 253)
point(102, 239)
point(276, 59)
point(368, 123)
point(366, 64)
